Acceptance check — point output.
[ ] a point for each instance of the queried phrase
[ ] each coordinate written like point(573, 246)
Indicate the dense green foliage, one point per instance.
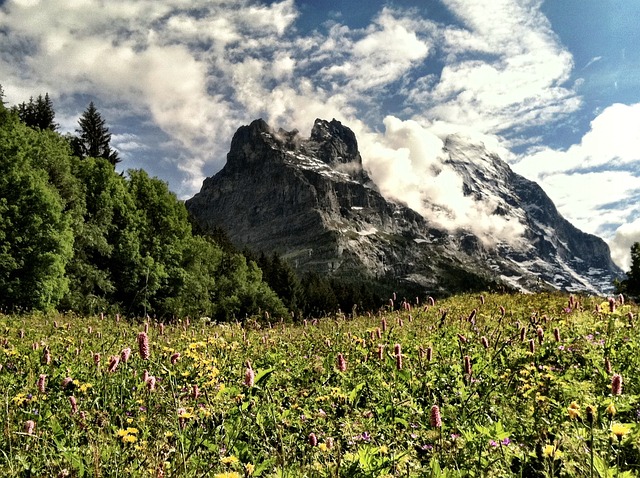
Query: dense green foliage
point(76, 235)
point(93, 140)
point(631, 284)
point(525, 385)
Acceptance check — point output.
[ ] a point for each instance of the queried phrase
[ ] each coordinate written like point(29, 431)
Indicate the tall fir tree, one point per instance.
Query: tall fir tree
point(93, 137)
point(38, 113)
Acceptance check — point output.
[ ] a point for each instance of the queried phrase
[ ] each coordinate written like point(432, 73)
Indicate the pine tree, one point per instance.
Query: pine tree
point(38, 113)
point(631, 285)
point(94, 137)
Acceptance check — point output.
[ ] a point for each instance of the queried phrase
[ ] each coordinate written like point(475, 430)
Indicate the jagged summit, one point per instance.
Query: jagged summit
point(310, 200)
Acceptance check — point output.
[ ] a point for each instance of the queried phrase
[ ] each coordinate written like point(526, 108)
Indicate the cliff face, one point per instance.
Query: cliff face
point(310, 200)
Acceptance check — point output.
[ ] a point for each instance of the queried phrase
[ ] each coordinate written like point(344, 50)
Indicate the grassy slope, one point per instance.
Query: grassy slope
point(509, 417)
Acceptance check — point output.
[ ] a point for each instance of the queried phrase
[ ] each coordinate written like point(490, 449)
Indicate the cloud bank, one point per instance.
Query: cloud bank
point(191, 72)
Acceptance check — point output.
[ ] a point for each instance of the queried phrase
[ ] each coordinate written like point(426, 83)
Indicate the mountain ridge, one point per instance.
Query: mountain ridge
point(311, 201)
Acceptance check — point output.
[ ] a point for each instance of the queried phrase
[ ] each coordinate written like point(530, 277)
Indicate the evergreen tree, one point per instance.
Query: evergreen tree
point(631, 285)
point(94, 137)
point(37, 114)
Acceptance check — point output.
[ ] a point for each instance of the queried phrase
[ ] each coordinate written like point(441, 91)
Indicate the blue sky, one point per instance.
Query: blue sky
point(552, 86)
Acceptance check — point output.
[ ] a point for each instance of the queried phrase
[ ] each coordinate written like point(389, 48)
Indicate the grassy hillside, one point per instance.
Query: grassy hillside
point(523, 385)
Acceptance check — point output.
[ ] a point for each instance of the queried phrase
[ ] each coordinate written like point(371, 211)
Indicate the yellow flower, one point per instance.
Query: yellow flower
point(574, 410)
point(620, 430)
point(229, 460)
point(248, 468)
point(131, 430)
point(122, 433)
point(383, 450)
point(129, 420)
point(19, 399)
point(322, 447)
point(168, 434)
point(551, 451)
point(229, 474)
point(129, 439)
point(611, 409)
point(84, 387)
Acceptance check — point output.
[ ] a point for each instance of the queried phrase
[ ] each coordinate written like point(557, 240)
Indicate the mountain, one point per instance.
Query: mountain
point(310, 200)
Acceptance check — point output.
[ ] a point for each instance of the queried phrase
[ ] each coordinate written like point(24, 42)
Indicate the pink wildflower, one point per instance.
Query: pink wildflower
point(313, 440)
point(74, 404)
point(342, 363)
point(42, 383)
point(125, 354)
point(29, 427)
point(616, 384)
point(174, 358)
point(249, 377)
point(143, 345)
point(114, 360)
point(434, 416)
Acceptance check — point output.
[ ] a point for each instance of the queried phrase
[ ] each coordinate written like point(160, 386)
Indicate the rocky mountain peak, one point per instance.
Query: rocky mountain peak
point(310, 200)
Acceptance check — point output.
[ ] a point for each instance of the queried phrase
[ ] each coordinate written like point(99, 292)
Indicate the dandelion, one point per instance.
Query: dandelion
point(619, 430)
point(229, 460)
point(125, 354)
point(29, 427)
point(313, 440)
point(551, 451)
point(249, 468)
point(342, 363)
point(573, 410)
point(114, 360)
point(616, 384)
point(143, 345)
point(611, 409)
point(74, 404)
point(174, 358)
point(249, 377)
point(42, 383)
point(434, 416)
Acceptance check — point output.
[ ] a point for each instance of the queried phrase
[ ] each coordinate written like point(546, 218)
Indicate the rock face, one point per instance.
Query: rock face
point(310, 200)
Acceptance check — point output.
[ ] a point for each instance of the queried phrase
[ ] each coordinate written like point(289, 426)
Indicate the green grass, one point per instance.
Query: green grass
point(512, 416)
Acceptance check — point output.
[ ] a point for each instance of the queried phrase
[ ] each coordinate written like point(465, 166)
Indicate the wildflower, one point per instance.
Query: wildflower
point(42, 383)
point(143, 345)
point(523, 334)
point(463, 340)
point(29, 427)
point(551, 451)
point(229, 460)
point(125, 354)
point(66, 382)
point(151, 383)
point(472, 315)
point(616, 384)
point(485, 342)
point(556, 334)
point(129, 439)
point(46, 356)
point(574, 410)
point(96, 359)
point(398, 353)
point(540, 334)
point(591, 414)
point(383, 324)
point(532, 346)
point(607, 365)
point(380, 352)
point(248, 468)
point(342, 364)
point(174, 358)
point(436, 420)
point(229, 474)
point(249, 377)
point(195, 391)
point(74, 404)
point(611, 409)
point(502, 311)
point(114, 360)
point(313, 440)
point(612, 305)
point(619, 430)
point(329, 443)
point(467, 365)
